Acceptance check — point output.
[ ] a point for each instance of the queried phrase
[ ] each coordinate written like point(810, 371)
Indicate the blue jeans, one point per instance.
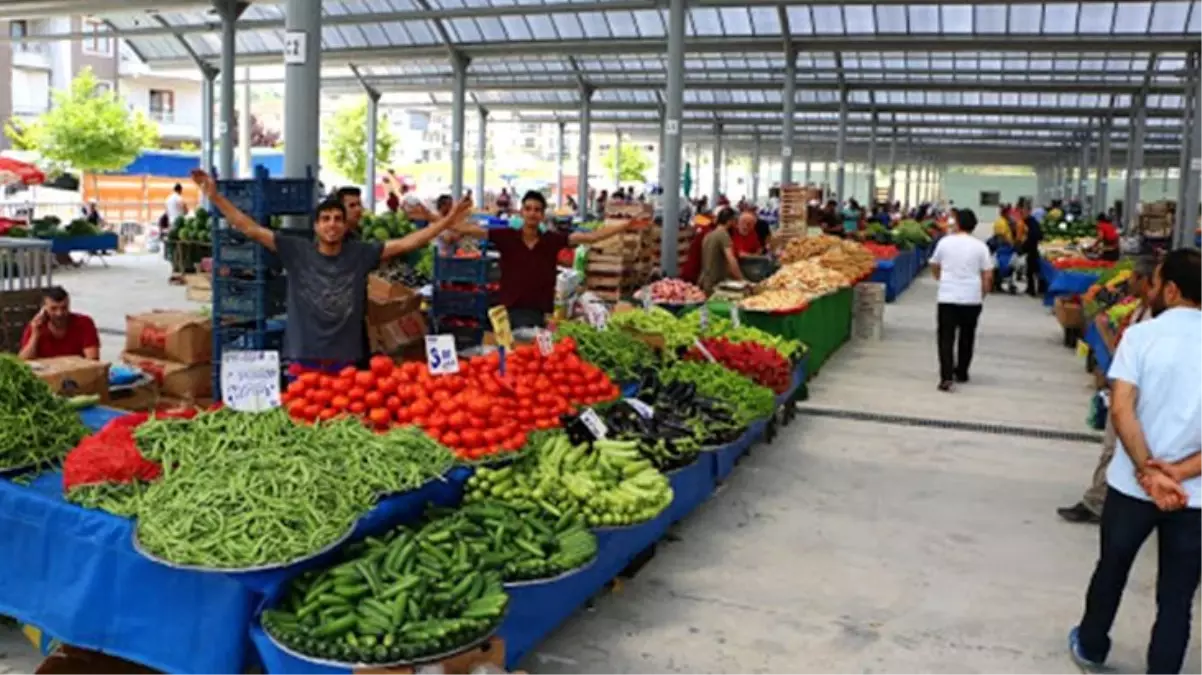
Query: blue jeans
point(1126, 524)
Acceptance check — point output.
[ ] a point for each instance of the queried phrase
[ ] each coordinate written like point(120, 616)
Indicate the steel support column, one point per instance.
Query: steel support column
point(245, 169)
point(789, 99)
point(1083, 174)
point(809, 165)
point(302, 93)
point(871, 198)
point(481, 154)
point(1102, 187)
point(1135, 163)
point(841, 148)
point(617, 159)
point(586, 121)
point(673, 109)
point(718, 160)
point(893, 168)
point(229, 12)
point(373, 130)
point(207, 96)
point(1191, 162)
point(459, 65)
point(907, 201)
point(755, 169)
point(560, 150)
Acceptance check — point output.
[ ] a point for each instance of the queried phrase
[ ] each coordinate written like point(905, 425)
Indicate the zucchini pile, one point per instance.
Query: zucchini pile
point(396, 601)
point(608, 482)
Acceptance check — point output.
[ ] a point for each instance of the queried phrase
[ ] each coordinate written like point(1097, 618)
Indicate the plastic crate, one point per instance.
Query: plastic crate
point(462, 270)
point(237, 251)
point(241, 193)
point(460, 303)
point(290, 196)
point(249, 298)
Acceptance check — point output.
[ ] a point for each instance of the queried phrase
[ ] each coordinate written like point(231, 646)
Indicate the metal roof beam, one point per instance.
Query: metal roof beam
point(747, 46)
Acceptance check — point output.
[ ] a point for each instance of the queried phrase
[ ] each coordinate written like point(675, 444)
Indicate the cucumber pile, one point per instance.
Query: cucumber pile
point(520, 543)
point(397, 601)
point(608, 482)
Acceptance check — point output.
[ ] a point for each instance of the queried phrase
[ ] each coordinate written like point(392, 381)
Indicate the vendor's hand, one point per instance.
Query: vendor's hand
point(1101, 321)
point(208, 186)
point(1167, 468)
point(1164, 491)
point(39, 320)
point(462, 208)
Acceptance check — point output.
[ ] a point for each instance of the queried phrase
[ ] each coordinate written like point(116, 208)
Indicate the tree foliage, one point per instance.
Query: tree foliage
point(86, 129)
point(634, 166)
point(346, 142)
point(260, 136)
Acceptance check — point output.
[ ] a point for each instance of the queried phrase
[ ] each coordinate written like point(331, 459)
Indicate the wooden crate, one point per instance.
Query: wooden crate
point(17, 309)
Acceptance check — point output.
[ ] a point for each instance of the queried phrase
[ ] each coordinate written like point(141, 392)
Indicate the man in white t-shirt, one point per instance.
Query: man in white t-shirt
point(963, 267)
point(175, 205)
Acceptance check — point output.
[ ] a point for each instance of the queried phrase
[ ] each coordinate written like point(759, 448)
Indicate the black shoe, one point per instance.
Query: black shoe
point(945, 385)
point(962, 378)
point(1078, 513)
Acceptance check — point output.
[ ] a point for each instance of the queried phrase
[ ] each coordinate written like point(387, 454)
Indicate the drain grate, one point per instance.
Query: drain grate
point(976, 427)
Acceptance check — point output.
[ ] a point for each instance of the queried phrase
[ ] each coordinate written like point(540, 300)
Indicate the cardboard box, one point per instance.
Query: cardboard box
point(491, 652)
point(180, 380)
point(381, 290)
point(393, 334)
point(74, 375)
point(1070, 313)
point(183, 337)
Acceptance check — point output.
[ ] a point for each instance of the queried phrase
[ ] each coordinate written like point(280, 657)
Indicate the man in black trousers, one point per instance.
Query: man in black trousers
point(1030, 247)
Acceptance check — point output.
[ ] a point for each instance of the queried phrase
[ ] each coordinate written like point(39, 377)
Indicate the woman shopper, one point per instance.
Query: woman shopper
point(963, 267)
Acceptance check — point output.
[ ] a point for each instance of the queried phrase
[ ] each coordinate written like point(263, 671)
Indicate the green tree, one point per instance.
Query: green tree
point(346, 143)
point(634, 166)
point(86, 130)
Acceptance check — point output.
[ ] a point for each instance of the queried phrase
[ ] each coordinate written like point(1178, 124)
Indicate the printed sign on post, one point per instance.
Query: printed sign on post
point(672, 127)
point(295, 43)
point(597, 315)
point(592, 421)
point(705, 317)
point(542, 337)
point(1082, 348)
point(734, 316)
point(646, 298)
point(499, 318)
point(250, 380)
point(441, 357)
point(786, 151)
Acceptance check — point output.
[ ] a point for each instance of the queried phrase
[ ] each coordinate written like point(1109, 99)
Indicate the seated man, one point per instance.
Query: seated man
point(57, 331)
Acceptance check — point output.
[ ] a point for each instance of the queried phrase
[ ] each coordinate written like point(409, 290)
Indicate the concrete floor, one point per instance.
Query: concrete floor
point(845, 546)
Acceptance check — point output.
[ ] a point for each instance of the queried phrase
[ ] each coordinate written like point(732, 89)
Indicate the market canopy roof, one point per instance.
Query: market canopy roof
point(999, 63)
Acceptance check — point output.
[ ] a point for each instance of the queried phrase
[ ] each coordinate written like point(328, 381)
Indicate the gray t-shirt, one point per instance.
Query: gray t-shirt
point(327, 298)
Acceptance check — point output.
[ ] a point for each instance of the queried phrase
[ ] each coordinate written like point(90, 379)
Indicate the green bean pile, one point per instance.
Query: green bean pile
point(241, 490)
point(36, 426)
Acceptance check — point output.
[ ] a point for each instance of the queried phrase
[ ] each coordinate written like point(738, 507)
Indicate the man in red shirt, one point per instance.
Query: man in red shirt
point(1108, 239)
point(57, 331)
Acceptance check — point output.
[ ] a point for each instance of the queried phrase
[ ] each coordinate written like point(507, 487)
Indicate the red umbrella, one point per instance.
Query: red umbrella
point(14, 171)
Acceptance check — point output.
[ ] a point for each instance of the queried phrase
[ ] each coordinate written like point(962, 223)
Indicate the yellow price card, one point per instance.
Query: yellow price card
point(1082, 348)
point(499, 318)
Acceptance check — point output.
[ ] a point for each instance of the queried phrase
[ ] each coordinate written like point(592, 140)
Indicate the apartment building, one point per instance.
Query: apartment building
point(30, 71)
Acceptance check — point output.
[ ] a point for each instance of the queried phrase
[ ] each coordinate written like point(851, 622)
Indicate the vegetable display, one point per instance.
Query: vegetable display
point(881, 251)
point(764, 365)
point(750, 401)
point(384, 226)
point(806, 276)
point(712, 421)
point(655, 321)
point(619, 354)
point(414, 596)
point(910, 233)
point(673, 292)
point(242, 491)
point(608, 482)
point(722, 327)
point(39, 427)
point(784, 300)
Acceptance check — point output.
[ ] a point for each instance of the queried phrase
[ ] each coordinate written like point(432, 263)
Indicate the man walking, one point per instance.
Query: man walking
point(1089, 509)
point(964, 269)
point(1153, 478)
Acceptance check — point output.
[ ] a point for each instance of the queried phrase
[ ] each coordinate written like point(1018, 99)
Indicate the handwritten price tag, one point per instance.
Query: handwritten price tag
point(597, 315)
point(734, 316)
point(705, 317)
point(499, 318)
point(441, 357)
point(542, 337)
point(592, 421)
point(250, 380)
point(645, 411)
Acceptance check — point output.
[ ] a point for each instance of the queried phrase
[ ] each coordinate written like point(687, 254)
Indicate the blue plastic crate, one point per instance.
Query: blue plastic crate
point(290, 196)
point(249, 298)
point(237, 251)
point(462, 270)
point(460, 303)
point(242, 194)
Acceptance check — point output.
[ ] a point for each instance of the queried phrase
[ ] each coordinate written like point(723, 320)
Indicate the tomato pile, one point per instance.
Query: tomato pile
point(763, 365)
point(1081, 264)
point(476, 412)
point(881, 251)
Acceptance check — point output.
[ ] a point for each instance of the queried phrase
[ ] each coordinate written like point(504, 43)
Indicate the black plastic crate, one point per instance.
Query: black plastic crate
point(460, 303)
point(249, 298)
point(462, 270)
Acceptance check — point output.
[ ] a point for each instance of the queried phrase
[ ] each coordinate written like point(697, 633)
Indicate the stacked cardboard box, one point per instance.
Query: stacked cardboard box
point(395, 322)
point(73, 375)
point(175, 349)
point(622, 263)
point(1156, 218)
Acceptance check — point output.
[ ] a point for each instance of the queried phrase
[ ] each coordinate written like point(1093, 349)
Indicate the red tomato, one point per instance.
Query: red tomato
point(296, 387)
point(450, 439)
point(386, 386)
point(311, 411)
point(448, 405)
point(393, 403)
point(373, 399)
point(357, 407)
point(439, 395)
point(310, 379)
point(348, 372)
point(380, 417)
point(297, 408)
point(342, 385)
point(327, 414)
point(365, 379)
point(418, 421)
point(421, 407)
point(471, 438)
point(438, 420)
point(340, 402)
point(457, 420)
point(356, 394)
point(323, 396)
point(381, 366)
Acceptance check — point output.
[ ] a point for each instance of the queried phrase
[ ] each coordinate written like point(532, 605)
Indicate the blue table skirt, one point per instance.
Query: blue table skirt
point(799, 377)
point(691, 486)
point(73, 572)
point(896, 274)
point(1063, 282)
point(726, 457)
point(1101, 354)
point(1005, 256)
point(99, 242)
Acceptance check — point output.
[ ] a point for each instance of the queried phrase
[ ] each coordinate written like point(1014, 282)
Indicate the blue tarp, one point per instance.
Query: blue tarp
point(178, 164)
point(1101, 354)
point(94, 243)
point(1063, 282)
point(896, 274)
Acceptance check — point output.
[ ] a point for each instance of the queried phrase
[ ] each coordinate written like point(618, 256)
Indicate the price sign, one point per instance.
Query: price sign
point(734, 316)
point(542, 337)
point(1082, 348)
point(441, 357)
point(1195, 164)
point(672, 127)
point(645, 411)
point(705, 317)
point(592, 421)
point(499, 318)
point(250, 380)
point(646, 298)
point(786, 151)
point(704, 352)
point(295, 43)
point(597, 315)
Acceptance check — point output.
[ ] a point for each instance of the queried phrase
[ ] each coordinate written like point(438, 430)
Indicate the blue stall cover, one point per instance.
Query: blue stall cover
point(1101, 354)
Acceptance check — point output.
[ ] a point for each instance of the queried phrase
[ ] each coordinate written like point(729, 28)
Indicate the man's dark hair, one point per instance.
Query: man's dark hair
point(331, 204)
point(1143, 265)
point(727, 216)
point(178, 188)
point(348, 191)
point(536, 196)
point(442, 199)
point(55, 294)
point(966, 220)
point(1183, 267)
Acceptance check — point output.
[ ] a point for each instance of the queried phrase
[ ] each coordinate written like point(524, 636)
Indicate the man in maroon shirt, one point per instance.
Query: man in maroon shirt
point(528, 259)
point(57, 331)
